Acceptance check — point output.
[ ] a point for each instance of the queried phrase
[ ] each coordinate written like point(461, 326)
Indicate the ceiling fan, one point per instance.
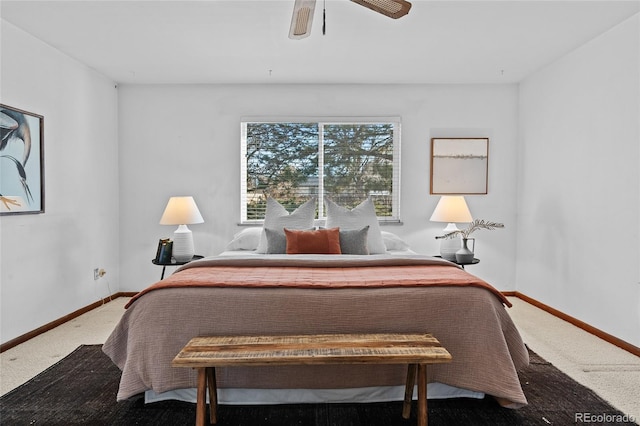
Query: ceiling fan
point(303, 13)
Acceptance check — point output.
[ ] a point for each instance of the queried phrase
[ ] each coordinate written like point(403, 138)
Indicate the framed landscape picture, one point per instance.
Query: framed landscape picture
point(21, 162)
point(459, 165)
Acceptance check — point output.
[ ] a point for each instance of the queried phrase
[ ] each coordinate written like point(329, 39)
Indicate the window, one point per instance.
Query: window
point(347, 160)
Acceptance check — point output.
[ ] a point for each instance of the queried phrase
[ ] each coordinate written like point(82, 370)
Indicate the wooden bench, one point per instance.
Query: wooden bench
point(415, 350)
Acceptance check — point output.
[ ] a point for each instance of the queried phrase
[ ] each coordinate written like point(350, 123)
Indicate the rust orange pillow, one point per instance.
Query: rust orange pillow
point(321, 241)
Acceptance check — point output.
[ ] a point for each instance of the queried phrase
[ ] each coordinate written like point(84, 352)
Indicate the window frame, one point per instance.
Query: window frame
point(323, 121)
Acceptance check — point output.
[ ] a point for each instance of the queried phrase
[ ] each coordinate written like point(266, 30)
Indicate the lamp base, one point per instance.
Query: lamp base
point(449, 246)
point(183, 250)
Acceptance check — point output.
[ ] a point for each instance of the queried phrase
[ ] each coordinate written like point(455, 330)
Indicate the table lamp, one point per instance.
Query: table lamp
point(182, 211)
point(451, 209)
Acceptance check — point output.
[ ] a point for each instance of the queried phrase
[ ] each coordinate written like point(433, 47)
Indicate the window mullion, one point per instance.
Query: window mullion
point(320, 170)
point(243, 172)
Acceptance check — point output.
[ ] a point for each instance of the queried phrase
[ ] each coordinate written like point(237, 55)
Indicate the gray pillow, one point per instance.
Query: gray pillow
point(354, 241)
point(276, 241)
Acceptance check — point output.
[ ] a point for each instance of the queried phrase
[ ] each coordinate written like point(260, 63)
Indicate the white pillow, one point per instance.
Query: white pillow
point(364, 214)
point(247, 239)
point(393, 242)
point(277, 218)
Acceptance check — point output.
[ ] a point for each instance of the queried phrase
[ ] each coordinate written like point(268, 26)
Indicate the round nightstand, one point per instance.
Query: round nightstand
point(173, 263)
point(473, 262)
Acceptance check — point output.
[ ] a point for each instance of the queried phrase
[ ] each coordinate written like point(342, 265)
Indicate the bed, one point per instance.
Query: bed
point(245, 292)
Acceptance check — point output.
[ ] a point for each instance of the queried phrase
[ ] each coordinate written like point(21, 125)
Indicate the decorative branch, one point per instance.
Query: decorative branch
point(473, 226)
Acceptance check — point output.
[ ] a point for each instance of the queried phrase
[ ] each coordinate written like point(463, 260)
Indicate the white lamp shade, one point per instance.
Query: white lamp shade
point(452, 209)
point(181, 211)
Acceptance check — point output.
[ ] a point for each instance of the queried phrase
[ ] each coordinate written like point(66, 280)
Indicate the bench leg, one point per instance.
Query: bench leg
point(422, 394)
point(201, 407)
point(408, 390)
point(213, 395)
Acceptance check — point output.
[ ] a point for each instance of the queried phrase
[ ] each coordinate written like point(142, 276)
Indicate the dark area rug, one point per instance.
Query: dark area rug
point(81, 390)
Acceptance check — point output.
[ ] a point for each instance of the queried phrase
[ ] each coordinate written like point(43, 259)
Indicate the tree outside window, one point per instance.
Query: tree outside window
point(346, 161)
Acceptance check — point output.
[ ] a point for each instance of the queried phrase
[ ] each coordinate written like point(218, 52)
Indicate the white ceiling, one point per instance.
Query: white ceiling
point(246, 41)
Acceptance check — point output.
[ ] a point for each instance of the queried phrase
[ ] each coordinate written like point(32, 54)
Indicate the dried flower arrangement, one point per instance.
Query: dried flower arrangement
point(473, 226)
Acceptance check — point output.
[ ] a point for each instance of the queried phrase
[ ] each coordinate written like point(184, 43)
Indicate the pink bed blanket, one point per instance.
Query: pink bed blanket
point(321, 272)
point(468, 318)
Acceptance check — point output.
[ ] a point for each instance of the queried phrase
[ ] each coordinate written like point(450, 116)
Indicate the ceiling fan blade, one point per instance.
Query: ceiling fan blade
point(392, 8)
point(302, 19)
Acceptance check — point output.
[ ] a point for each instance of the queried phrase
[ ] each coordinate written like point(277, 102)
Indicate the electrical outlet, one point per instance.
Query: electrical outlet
point(98, 273)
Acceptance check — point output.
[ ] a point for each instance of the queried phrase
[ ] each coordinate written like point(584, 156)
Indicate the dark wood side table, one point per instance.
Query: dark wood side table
point(473, 262)
point(173, 263)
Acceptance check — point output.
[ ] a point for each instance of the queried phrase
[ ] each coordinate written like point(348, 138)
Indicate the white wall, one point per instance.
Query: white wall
point(185, 140)
point(47, 260)
point(579, 183)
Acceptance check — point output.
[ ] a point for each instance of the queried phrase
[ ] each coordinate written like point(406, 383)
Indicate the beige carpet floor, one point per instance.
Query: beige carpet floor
point(610, 371)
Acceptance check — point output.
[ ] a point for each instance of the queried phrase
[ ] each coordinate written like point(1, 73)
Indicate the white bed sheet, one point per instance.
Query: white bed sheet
point(305, 396)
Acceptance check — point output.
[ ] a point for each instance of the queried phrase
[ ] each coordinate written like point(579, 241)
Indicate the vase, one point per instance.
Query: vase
point(464, 255)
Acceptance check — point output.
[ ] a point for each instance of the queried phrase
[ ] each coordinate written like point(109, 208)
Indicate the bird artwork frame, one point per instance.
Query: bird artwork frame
point(21, 161)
